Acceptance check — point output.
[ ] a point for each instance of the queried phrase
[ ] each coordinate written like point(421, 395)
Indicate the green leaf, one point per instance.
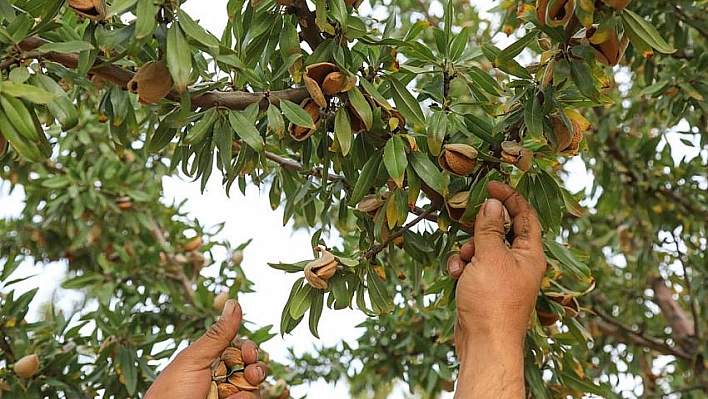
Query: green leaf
point(276, 124)
point(566, 258)
point(428, 172)
point(362, 107)
point(381, 301)
point(201, 128)
point(395, 159)
point(436, 131)
point(583, 79)
point(120, 6)
point(179, 57)
point(73, 46)
point(533, 115)
point(126, 360)
point(316, 311)
point(406, 104)
point(366, 179)
point(515, 48)
point(343, 130)
point(375, 94)
point(643, 29)
point(62, 108)
point(196, 32)
point(296, 114)
point(28, 92)
point(459, 44)
point(146, 21)
point(302, 301)
point(246, 130)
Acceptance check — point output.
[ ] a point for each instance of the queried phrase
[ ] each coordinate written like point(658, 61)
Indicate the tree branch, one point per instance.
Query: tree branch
point(291, 164)
point(681, 326)
point(179, 275)
point(379, 247)
point(681, 15)
point(611, 327)
point(689, 290)
point(308, 27)
point(233, 100)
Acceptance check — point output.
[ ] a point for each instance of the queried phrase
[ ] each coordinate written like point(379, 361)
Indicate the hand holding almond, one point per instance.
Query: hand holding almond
point(189, 376)
point(496, 294)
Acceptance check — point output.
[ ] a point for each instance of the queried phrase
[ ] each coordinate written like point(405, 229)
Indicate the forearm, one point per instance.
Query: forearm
point(491, 368)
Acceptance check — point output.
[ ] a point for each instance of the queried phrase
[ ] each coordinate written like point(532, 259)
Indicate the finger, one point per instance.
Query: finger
point(210, 345)
point(255, 373)
point(489, 226)
point(455, 266)
point(467, 251)
point(527, 229)
point(249, 351)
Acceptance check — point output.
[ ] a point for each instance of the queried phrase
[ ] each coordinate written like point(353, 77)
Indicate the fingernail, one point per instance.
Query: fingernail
point(229, 308)
point(454, 268)
point(493, 208)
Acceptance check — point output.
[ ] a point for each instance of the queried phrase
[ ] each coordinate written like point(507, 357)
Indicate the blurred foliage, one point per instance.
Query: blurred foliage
point(384, 130)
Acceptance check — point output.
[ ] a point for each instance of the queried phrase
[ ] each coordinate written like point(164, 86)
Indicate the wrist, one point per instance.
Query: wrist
point(490, 367)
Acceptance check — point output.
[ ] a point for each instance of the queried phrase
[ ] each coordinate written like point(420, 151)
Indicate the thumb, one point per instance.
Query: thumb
point(219, 336)
point(489, 226)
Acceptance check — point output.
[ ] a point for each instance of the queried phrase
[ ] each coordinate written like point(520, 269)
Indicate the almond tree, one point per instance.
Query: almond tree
point(383, 130)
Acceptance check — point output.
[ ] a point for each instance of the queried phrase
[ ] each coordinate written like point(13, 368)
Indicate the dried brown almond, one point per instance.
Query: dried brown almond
point(27, 366)
point(459, 159)
point(227, 389)
point(333, 83)
point(232, 357)
point(193, 244)
point(238, 379)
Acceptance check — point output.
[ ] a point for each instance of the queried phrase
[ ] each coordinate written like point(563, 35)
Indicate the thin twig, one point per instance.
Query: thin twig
point(685, 389)
point(179, 275)
point(379, 247)
point(689, 291)
point(681, 15)
point(291, 164)
point(618, 330)
point(6, 348)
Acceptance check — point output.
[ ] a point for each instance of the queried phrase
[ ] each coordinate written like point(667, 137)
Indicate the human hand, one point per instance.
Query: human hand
point(188, 376)
point(498, 285)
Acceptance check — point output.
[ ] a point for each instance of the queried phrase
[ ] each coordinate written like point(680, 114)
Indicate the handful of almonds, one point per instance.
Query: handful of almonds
point(236, 371)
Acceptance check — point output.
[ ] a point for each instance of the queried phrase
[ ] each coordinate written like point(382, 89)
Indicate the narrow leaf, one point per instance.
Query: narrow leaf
point(406, 103)
point(395, 159)
point(296, 114)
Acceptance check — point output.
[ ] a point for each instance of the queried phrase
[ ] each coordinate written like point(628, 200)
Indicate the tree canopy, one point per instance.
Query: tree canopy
point(384, 128)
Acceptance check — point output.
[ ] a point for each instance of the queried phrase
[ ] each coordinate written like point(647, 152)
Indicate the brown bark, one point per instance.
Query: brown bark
point(682, 327)
point(306, 19)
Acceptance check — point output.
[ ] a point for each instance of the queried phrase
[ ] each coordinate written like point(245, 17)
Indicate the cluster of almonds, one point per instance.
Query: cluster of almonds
point(152, 82)
point(229, 375)
point(320, 270)
point(567, 301)
point(324, 81)
point(608, 45)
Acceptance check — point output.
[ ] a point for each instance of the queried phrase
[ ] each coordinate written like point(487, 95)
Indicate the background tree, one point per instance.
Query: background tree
point(384, 130)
